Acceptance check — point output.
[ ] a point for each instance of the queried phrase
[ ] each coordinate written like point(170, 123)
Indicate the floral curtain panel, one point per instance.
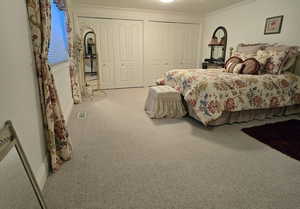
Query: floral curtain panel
point(58, 141)
point(74, 62)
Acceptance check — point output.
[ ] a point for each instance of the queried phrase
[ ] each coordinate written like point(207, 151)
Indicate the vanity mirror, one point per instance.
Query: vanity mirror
point(91, 73)
point(218, 45)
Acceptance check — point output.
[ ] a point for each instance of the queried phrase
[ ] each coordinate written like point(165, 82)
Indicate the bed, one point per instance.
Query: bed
point(215, 97)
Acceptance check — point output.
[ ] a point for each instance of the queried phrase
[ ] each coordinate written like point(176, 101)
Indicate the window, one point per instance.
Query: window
point(58, 50)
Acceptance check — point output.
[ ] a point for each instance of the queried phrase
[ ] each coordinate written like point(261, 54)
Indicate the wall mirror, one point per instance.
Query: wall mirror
point(218, 45)
point(18, 186)
point(91, 72)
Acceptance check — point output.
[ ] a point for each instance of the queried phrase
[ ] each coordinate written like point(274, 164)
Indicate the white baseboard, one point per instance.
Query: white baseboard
point(42, 174)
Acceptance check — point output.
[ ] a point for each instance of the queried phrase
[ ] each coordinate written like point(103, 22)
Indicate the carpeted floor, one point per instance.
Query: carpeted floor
point(124, 160)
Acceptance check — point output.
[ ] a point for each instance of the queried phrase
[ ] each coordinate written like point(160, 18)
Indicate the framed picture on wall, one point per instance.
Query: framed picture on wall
point(273, 25)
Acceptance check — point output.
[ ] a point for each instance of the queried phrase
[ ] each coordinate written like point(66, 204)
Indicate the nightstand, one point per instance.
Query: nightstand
point(207, 65)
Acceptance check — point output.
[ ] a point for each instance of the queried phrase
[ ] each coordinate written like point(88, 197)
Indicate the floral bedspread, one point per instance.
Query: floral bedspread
point(212, 92)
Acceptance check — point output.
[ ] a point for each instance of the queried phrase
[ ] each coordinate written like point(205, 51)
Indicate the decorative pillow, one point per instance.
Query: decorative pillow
point(160, 82)
point(250, 48)
point(277, 47)
point(243, 56)
point(293, 53)
point(231, 63)
point(276, 61)
point(251, 66)
point(289, 63)
point(230, 67)
point(262, 57)
point(289, 60)
point(238, 68)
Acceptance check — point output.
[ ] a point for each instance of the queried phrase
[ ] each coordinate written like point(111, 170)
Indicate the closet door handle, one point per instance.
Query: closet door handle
point(103, 65)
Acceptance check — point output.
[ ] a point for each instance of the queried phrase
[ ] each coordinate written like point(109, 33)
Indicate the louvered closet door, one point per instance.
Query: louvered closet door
point(158, 50)
point(128, 45)
point(105, 46)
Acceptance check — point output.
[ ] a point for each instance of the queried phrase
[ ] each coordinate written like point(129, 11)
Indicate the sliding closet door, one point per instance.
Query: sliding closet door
point(105, 46)
point(170, 46)
point(128, 45)
point(185, 45)
point(158, 50)
point(179, 45)
point(190, 49)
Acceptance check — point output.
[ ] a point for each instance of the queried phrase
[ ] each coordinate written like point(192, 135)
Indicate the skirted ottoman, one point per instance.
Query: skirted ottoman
point(164, 102)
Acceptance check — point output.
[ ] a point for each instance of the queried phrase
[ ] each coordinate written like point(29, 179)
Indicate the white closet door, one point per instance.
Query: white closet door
point(178, 31)
point(185, 45)
point(128, 45)
point(106, 53)
point(170, 46)
point(191, 44)
point(158, 50)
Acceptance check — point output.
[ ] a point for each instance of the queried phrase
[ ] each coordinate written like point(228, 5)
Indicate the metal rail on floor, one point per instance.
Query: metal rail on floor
point(8, 140)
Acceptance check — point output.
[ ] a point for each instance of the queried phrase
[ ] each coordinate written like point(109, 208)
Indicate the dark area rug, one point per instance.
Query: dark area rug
point(282, 136)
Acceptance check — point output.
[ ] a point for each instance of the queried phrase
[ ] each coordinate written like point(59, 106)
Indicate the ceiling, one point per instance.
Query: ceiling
point(187, 6)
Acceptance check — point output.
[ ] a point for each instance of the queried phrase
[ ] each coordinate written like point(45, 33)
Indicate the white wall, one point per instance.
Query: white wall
point(245, 23)
point(18, 85)
point(61, 75)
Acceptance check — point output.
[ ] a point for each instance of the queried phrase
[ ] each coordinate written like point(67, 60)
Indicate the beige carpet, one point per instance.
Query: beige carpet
point(124, 160)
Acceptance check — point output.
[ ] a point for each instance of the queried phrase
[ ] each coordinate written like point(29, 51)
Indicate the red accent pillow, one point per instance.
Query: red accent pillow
point(251, 66)
point(231, 63)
